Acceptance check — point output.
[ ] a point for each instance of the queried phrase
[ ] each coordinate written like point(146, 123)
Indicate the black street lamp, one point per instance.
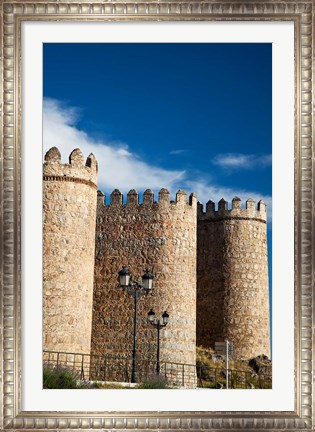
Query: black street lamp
point(135, 289)
point(156, 322)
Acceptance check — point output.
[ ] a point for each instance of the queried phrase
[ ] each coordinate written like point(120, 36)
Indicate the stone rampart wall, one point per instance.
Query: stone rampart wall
point(160, 236)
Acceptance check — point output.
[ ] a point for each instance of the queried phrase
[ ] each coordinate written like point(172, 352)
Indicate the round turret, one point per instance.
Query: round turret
point(69, 212)
point(232, 284)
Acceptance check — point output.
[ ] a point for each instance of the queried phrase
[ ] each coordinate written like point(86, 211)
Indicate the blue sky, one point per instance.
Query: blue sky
point(192, 116)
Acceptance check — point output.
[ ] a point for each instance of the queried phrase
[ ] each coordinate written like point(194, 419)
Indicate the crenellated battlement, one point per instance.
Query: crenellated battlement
point(251, 210)
point(77, 170)
point(117, 199)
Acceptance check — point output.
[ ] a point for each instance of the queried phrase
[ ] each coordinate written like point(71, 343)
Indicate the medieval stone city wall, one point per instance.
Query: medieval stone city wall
point(159, 236)
point(69, 211)
point(232, 285)
point(210, 269)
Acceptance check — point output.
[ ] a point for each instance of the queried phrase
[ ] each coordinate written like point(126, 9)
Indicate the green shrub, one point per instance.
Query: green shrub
point(156, 382)
point(64, 378)
point(59, 378)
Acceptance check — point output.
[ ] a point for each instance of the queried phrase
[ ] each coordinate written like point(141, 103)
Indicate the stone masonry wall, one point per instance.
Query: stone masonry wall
point(69, 209)
point(160, 236)
point(232, 284)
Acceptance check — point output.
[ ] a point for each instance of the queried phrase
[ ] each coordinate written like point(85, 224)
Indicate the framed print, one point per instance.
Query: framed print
point(161, 232)
point(212, 97)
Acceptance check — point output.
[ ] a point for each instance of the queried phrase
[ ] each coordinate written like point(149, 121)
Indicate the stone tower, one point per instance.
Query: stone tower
point(69, 209)
point(160, 236)
point(232, 285)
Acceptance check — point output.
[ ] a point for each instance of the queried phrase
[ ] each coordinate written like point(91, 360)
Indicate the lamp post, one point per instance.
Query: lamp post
point(135, 289)
point(156, 322)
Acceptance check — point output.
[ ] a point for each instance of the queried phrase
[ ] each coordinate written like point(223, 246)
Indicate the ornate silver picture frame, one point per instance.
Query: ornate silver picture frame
point(13, 14)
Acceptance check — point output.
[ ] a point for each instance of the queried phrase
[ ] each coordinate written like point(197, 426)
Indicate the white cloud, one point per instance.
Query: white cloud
point(120, 167)
point(178, 152)
point(235, 161)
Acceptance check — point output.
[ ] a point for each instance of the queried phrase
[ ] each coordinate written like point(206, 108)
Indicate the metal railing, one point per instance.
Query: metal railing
point(109, 368)
point(90, 367)
point(218, 378)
